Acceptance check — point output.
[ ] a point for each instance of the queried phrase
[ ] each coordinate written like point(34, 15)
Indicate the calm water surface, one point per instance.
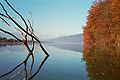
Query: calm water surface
point(64, 63)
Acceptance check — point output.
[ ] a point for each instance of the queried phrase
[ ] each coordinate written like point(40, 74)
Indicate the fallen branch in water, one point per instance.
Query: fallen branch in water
point(27, 33)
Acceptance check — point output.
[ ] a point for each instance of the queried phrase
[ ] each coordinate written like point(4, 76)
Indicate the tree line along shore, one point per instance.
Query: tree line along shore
point(10, 41)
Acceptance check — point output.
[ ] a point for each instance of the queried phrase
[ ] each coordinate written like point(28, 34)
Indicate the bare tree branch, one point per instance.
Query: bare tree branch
point(17, 13)
point(5, 21)
point(29, 33)
point(11, 34)
point(22, 28)
point(4, 15)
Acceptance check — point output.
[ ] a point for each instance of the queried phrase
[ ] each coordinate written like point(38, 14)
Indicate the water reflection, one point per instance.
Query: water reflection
point(12, 74)
point(73, 47)
point(11, 48)
point(3, 45)
point(8, 44)
point(103, 63)
point(61, 65)
point(40, 66)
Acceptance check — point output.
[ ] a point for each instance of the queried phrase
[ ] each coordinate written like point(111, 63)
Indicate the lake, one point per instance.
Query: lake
point(64, 63)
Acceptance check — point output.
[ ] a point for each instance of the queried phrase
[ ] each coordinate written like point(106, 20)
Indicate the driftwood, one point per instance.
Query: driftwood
point(27, 32)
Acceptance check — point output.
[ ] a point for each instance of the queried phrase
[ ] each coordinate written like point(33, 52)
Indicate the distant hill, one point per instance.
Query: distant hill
point(78, 38)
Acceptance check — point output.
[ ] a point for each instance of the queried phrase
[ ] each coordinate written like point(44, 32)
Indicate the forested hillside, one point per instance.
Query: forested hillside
point(103, 24)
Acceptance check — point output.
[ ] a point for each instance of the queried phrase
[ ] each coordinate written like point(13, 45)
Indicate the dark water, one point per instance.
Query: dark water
point(103, 63)
point(63, 64)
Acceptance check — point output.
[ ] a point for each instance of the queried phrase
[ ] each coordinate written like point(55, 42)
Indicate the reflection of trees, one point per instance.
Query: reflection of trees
point(10, 44)
point(2, 46)
point(27, 32)
point(103, 63)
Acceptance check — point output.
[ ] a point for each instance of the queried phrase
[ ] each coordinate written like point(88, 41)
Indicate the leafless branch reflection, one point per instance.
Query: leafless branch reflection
point(40, 66)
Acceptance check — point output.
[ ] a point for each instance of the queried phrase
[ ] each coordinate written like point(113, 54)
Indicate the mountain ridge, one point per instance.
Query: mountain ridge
point(76, 38)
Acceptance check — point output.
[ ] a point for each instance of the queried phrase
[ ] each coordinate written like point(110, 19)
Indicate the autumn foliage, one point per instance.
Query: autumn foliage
point(103, 24)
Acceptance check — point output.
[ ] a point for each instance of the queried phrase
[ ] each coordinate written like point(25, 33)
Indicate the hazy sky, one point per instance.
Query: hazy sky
point(55, 17)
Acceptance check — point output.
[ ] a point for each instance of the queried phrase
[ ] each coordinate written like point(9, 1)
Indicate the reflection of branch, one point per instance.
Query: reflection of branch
point(29, 33)
point(15, 75)
point(24, 62)
point(39, 68)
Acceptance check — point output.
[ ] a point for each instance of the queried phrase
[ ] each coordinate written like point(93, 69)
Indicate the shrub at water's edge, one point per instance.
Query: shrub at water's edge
point(103, 24)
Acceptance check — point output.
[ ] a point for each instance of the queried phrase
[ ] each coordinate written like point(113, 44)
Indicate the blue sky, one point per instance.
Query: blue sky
point(54, 18)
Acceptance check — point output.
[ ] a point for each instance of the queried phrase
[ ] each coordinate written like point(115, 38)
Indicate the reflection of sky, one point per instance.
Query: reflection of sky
point(72, 47)
point(55, 17)
point(61, 65)
point(64, 65)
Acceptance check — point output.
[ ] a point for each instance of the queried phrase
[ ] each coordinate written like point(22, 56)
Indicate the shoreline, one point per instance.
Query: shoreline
point(10, 43)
